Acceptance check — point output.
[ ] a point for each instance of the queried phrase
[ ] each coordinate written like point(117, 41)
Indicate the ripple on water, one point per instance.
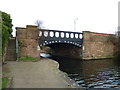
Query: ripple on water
point(103, 80)
point(93, 74)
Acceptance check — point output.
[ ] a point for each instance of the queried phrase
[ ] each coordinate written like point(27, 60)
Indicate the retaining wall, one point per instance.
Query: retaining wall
point(98, 45)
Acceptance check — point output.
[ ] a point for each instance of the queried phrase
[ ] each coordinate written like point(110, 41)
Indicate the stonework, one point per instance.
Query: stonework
point(28, 41)
point(96, 45)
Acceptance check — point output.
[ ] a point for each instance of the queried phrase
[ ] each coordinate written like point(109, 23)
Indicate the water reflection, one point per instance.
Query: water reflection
point(44, 55)
point(92, 74)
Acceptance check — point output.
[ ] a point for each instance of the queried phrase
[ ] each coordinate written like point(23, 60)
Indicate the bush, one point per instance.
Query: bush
point(6, 25)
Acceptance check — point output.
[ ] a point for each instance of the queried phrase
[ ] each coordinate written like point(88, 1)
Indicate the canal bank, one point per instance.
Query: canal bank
point(44, 73)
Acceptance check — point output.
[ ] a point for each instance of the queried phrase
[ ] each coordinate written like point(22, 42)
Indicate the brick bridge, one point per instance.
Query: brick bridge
point(85, 45)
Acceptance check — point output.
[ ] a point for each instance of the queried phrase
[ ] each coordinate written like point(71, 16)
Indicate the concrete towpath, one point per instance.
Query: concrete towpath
point(40, 74)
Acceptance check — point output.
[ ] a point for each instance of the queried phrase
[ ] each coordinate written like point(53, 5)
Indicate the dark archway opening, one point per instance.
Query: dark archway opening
point(63, 50)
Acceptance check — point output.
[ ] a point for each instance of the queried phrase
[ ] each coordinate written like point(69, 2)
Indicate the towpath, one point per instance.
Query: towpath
point(40, 74)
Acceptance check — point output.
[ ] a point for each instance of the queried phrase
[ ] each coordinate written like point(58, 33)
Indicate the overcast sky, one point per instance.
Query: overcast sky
point(93, 15)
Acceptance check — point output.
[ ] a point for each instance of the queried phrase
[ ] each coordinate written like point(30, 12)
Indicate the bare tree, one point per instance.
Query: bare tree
point(39, 23)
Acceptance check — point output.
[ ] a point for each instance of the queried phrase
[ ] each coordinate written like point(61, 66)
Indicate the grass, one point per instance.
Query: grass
point(65, 73)
point(27, 59)
point(4, 82)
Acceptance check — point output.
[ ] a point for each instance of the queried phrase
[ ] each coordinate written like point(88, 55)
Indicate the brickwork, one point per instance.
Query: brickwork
point(96, 45)
point(28, 41)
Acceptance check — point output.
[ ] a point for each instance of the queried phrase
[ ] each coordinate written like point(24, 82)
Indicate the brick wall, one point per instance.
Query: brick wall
point(97, 45)
point(27, 41)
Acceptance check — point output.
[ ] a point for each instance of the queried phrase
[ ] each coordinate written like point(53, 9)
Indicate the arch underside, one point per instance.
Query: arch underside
point(65, 50)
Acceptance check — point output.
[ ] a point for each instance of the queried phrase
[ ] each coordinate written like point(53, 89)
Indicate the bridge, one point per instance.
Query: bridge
point(47, 37)
point(85, 45)
point(62, 43)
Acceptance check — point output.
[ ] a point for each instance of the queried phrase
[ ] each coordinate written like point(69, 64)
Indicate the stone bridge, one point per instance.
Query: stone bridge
point(85, 45)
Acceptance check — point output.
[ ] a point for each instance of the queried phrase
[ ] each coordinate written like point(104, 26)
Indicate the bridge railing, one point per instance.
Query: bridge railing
point(60, 36)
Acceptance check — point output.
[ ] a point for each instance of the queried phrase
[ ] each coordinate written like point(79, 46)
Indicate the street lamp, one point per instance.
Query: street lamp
point(75, 24)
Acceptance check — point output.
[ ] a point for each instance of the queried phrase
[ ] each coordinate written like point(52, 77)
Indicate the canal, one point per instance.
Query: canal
point(91, 74)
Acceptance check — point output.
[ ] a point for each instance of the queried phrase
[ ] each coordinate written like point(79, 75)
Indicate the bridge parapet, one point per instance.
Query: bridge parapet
point(54, 36)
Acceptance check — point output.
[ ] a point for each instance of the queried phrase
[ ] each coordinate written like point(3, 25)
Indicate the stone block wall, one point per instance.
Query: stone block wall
point(97, 45)
point(27, 41)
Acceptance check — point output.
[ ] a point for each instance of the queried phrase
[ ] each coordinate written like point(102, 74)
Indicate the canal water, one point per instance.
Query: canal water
point(91, 74)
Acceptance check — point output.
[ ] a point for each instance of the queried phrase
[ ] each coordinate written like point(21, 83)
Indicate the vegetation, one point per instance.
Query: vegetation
point(27, 59)
point(39, 23)
point(6, 29)
point(4, 82)
point(0, 34)
point(65, 74)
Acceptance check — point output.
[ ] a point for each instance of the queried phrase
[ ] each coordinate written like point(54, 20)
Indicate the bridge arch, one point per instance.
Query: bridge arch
point(47, 37)
point(48, 43)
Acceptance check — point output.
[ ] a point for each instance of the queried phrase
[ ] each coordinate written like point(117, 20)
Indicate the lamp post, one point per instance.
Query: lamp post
point(118, 33)
point(75, 24)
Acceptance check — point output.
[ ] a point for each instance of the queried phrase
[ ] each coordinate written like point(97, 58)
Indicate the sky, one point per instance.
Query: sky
point(92, 15)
